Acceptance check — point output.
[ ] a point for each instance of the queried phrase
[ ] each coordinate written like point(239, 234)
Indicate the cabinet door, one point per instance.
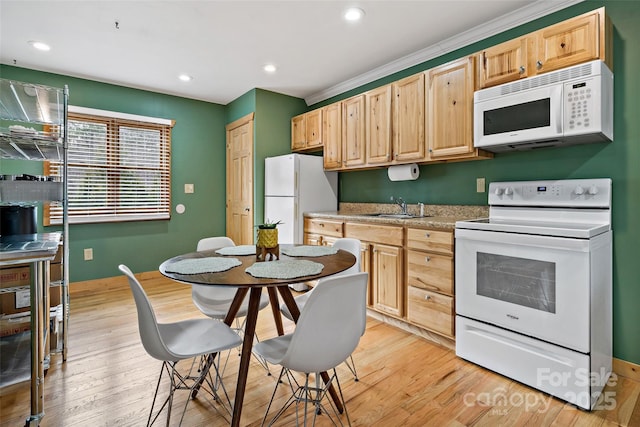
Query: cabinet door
point(314, 128)
point(298, 133)
point(450, 109)
point(353, 131)
point(568, 43)
point(365, 266)
point(504, 63)
point(378, 128)
point(387, 279)
point(332, 135)
point(408, 119)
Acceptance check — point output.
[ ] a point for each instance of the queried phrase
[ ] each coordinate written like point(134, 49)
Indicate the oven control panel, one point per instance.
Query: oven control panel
point(586, 193)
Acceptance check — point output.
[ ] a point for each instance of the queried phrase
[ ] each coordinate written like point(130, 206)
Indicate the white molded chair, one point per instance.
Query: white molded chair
point(328, 331)
point(172, 342)
point(349, 245)
point(214, 301)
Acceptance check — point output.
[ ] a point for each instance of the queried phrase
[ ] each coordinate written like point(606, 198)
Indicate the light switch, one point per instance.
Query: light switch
point(188, 188)
point(480, 185)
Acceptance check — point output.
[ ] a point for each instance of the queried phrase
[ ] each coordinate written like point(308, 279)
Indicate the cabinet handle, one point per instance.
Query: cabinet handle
point(427, 259)
point(321, 225)
point(427, 297)
point(427, 235)
point(521, 69)
point(538, 65)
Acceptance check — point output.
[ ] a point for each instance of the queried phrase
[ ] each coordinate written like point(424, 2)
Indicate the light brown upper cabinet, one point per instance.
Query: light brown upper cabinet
point(580, 39)
point(298, 133)
point(332, 135)
point(306, 131)
point(449, 109)
point(353, 132)
point(504, 63)
point(378, 125)
point(408, 119)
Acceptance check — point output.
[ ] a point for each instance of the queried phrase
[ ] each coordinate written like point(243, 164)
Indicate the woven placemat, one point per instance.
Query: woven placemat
point(285, 269)
point(237, 250)
point(309, 251)
point(202, 265)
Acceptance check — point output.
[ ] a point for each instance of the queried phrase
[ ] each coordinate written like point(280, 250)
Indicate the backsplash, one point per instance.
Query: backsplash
point(468, 211)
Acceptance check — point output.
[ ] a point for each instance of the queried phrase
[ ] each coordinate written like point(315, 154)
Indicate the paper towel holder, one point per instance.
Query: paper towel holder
point(408, 172)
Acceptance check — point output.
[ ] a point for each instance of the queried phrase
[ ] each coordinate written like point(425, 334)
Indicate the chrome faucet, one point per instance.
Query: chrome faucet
point(400, 202)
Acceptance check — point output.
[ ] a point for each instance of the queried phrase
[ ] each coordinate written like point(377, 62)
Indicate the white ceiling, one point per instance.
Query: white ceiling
point(225, 44)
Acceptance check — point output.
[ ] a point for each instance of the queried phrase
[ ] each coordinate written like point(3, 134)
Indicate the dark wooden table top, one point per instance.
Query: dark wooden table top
point(238, 277)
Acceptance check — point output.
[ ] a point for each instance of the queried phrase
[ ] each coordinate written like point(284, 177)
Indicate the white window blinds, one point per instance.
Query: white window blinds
point(119, 169)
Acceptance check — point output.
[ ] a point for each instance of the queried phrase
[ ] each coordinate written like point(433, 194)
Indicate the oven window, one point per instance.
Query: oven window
point(530, 115)
point(521, 281)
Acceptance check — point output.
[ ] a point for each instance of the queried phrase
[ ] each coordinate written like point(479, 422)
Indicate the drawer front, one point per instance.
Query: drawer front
point(374, 233)
point(430, 310)
point(323, 226)
point(430, 240)
point(430, 271)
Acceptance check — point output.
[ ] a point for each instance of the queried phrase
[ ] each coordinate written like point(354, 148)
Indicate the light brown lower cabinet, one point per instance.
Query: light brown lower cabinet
point(411, 270)
point(430, 280)
point(430, 310)
point(387, 283)
point(386, 274)
point(321, 232)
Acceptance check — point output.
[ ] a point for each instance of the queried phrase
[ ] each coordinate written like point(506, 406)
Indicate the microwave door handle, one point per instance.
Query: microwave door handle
point(557, 93)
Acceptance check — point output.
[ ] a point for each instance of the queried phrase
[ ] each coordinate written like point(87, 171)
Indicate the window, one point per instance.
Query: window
point(118, 168)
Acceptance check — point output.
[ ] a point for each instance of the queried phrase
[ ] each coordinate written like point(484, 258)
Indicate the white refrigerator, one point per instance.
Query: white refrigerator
point(295, 184)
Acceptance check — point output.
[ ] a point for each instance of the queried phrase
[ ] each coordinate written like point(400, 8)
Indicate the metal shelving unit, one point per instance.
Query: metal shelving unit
point(33, 126)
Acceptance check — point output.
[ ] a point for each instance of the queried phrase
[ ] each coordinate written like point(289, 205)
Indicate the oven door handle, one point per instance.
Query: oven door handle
point(547, 242)
point(540, 352)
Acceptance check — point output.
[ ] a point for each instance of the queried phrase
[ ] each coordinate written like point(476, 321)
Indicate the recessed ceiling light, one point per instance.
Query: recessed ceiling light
point(40, 45)
point(185, 77)
point(269, 68)
point(353, 14)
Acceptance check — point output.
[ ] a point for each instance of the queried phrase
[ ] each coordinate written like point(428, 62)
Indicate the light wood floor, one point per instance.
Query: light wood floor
point(108, 378)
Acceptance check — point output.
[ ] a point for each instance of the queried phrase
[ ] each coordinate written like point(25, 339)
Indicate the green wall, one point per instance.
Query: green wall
point(271, 132)
point(198, 157)
point(454, 183)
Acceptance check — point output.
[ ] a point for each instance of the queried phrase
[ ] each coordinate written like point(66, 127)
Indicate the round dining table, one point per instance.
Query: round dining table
point(238, 278)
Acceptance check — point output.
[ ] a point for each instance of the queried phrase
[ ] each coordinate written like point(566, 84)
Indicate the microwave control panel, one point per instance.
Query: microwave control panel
point(588, 104)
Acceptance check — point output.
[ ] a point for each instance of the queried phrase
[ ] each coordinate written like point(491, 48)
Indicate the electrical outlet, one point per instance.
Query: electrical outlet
point(188, 188)
point(480, 185)
point(88, 254)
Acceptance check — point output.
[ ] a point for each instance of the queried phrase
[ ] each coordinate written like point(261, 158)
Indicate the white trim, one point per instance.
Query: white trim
point(113, 218)
point(118, 115)
point(518, 17)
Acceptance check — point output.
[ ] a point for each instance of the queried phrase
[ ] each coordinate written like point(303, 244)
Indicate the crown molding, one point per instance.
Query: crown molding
point(511, 20)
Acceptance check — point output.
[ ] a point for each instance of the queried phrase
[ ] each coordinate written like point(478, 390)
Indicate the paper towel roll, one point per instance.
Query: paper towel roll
point(403, 172)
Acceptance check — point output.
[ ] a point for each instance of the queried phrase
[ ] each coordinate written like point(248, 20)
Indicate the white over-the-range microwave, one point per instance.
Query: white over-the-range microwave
point(569, 106)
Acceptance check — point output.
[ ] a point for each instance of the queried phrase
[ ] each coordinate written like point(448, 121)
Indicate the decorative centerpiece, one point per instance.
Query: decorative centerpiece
point(267, 243)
